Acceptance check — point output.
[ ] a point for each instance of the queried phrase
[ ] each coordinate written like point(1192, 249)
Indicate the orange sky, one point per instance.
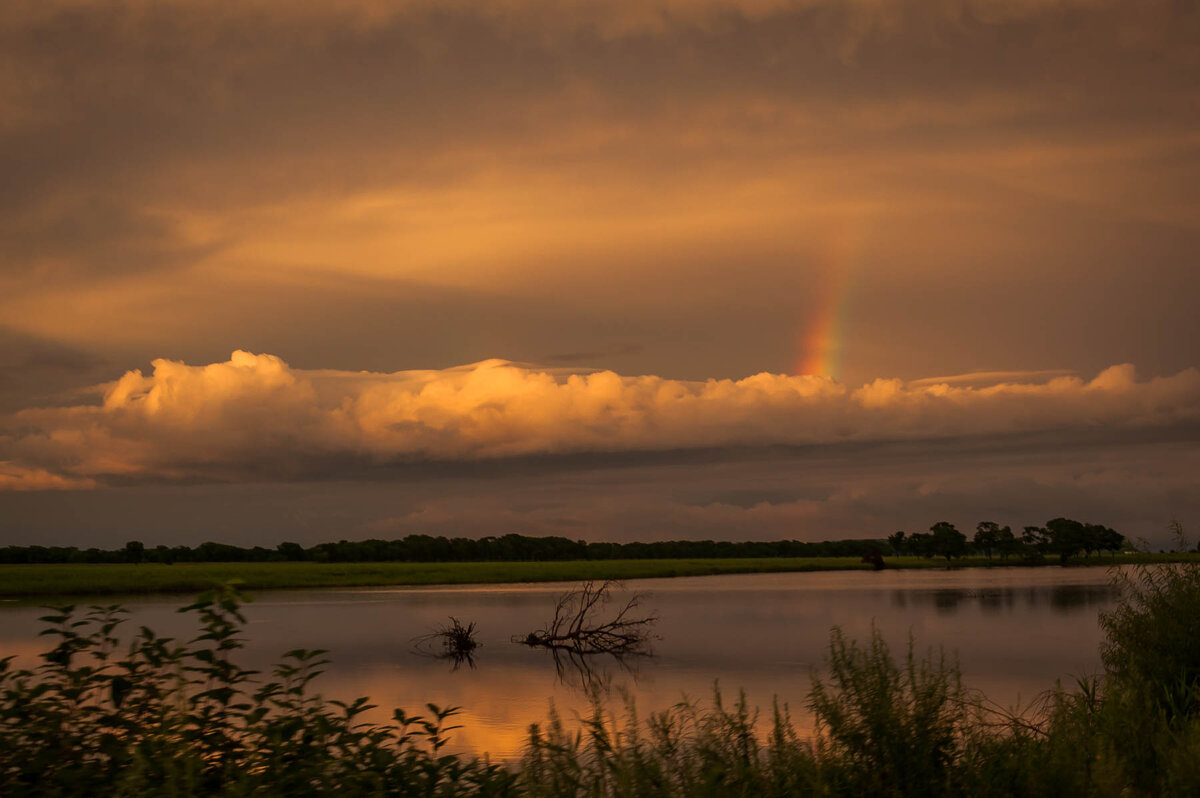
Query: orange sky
point(670, 190)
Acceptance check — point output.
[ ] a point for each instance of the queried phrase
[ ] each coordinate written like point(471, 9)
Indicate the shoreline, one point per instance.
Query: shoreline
point(28, 583)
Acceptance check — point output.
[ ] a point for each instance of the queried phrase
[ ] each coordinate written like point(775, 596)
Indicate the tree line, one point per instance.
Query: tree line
point(1061, 537)
point(426, 548)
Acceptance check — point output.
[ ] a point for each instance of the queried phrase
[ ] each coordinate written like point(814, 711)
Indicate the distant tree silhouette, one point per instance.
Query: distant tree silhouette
point(1035, 540)
point(135, 551)
point(920, 544)
point(1067, 538)
point(1007, 543)
point(290, 551)
point(947, 541)
point(1111, 540)
point(943, 540)
point(987, 537)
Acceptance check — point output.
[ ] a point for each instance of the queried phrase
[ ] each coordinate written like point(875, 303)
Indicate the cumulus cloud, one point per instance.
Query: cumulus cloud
point(256, 417)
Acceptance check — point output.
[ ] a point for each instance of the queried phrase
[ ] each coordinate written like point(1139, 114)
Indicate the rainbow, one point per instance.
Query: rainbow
point(823, 332)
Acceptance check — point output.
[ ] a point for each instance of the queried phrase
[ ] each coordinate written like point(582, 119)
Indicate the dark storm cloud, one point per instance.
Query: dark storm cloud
point(1134, 487)
point(36, 371)
point(266, 100)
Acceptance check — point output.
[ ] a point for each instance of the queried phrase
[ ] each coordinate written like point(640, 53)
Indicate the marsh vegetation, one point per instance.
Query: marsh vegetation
point(157, 715)
point(454, 642)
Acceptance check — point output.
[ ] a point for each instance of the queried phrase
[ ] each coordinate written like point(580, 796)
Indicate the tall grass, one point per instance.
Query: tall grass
point(167, 718)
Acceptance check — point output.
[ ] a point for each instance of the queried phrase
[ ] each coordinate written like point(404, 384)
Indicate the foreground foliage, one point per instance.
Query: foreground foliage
point(165, 718)
point(187, 720)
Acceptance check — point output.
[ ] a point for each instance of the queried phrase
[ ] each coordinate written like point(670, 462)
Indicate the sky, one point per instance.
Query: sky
point(633, 269)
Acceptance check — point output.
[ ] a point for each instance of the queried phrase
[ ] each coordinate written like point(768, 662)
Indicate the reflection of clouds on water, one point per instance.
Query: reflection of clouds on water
point(992, 600)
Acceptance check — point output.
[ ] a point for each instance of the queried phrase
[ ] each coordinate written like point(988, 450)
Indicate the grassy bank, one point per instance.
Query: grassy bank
point(24, 581)
point(33, 582)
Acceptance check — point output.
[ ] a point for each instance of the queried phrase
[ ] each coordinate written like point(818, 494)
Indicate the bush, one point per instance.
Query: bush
point(884, 728)
point(1152, 644)
point(170, 719)
point(1152, 658)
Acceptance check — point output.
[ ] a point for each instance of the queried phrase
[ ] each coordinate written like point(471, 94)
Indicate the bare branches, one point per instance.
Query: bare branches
point(577, 626)
point(579, 631)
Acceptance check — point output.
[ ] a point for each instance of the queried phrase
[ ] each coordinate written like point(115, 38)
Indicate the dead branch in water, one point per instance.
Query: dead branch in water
point(578, 629)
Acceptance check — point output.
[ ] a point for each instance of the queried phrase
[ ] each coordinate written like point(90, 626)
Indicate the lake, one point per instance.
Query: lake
point(1014, 632)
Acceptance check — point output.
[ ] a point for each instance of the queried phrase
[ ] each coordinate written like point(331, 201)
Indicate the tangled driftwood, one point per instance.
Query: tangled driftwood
point(578, 626)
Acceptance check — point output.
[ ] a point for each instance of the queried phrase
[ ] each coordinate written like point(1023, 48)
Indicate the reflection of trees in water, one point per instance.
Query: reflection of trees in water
point(996, 601)
point(1060, 598)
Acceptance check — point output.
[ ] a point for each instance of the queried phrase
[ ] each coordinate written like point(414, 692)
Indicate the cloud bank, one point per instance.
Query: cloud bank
point(256, 418)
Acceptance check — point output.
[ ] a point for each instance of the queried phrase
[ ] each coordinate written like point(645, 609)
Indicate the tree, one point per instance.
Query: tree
point(1007, 543)
point(987, 537)
point(1035, 539)
point(290, 551)
point(1067, 538)
point(947, 541)
point(920, 544)
point(135, 551)
point(1111, 540)
point(897, 542)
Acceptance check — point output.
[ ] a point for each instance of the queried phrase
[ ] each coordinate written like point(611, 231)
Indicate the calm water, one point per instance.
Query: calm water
point(1014, 631)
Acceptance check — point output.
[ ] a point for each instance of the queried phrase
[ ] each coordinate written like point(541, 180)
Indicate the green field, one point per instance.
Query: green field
point(41, 582)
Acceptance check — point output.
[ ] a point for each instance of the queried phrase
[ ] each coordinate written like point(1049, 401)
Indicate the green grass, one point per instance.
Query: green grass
point(20, 581)
point(39, 582)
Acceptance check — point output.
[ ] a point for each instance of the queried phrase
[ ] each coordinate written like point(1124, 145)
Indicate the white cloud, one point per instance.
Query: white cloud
point(255, 417)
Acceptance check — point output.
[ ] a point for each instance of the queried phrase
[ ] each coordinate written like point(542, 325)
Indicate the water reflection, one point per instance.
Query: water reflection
point(1014, 632)
point(947, 601)
point(589, 673)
